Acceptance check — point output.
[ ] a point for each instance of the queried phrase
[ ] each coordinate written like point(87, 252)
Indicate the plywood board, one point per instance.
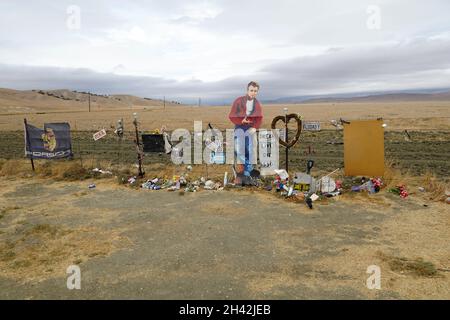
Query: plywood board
point(364, 148)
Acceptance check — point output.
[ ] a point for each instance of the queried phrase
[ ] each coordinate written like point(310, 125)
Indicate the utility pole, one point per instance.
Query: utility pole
point(164, 102)
point(89, 101)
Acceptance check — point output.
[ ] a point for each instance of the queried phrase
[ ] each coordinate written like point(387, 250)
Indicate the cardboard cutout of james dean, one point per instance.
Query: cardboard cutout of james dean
point(246, 115)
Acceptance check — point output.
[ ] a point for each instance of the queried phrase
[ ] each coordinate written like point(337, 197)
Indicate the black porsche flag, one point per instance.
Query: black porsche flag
point(53, 142)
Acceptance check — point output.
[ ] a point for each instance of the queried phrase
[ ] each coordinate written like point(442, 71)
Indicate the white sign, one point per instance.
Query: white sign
point(268, 151)
point(311, 126)
point(217, 158)
point(100, 134)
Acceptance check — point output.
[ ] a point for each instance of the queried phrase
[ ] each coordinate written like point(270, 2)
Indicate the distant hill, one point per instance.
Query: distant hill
point(375, 97)
point(25, 101)
point(397, 97)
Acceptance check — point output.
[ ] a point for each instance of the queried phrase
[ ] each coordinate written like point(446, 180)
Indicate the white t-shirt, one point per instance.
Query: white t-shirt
point(249, 107)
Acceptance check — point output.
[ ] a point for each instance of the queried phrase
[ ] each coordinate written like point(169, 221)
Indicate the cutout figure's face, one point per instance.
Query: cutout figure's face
point(252, 92)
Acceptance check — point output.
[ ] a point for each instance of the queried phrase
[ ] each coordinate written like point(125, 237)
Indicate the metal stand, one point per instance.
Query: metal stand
point(286, 143)
point(138, 147)
point(28, 143)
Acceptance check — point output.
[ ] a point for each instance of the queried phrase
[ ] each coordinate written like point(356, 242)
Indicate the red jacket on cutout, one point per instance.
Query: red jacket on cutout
point(238, 112)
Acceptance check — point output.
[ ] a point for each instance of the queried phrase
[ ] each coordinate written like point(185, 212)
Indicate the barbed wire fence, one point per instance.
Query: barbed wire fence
point(428, 151)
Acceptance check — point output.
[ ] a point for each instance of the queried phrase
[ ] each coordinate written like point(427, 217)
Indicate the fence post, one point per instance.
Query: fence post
point(27, 138)
point(78, 144)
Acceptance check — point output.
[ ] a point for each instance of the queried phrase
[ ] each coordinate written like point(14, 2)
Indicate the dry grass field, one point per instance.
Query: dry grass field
point(422, 115)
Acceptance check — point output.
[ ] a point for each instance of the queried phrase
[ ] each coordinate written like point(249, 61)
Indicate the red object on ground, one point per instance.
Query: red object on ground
point(403, 192)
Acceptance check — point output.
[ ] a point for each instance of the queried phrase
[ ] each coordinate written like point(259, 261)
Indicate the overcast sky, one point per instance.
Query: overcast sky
point(211, 49)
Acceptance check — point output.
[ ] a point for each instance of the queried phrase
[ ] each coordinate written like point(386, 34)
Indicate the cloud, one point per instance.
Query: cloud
point(400, 65)
point(135, 33)
point(211, 49)
point(419, 64)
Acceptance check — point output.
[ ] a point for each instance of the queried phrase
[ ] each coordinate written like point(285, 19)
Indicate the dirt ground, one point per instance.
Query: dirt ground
point(230, 244)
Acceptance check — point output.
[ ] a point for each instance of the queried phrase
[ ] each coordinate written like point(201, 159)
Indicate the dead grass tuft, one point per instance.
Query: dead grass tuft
point(394, 176)
point(48, 229)
point(417, 267)
point(43, 247)
point(71, 171)
point(435, 188)
point(15, 167)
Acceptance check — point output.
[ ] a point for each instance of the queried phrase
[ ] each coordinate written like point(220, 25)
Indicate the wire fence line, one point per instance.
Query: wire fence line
point(428, 151)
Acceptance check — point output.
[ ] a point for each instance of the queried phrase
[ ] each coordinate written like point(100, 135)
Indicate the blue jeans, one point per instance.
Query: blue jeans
point(243, 146)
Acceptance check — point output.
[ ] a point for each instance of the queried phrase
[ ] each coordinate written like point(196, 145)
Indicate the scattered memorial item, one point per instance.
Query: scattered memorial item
point(153, 143)
point(119, 129)
point(100, 134)
point(311, 126)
